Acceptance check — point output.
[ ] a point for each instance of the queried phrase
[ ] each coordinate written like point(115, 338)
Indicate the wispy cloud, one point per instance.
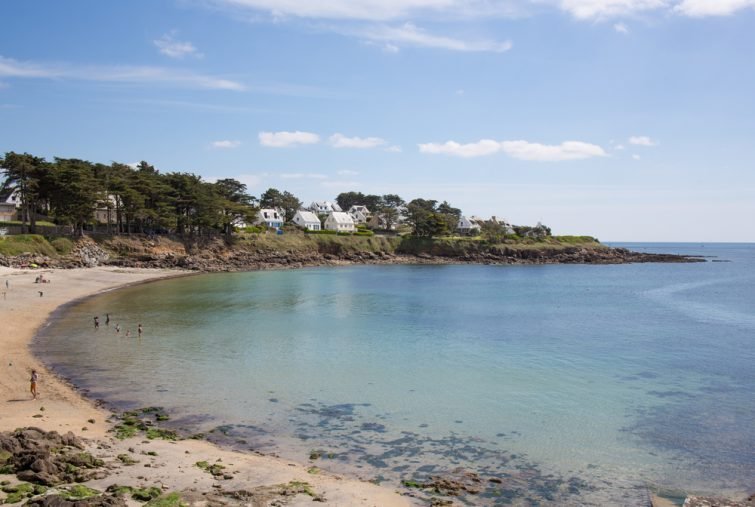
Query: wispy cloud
point(409, 34)
point(11, 68)
point(603, 9)
point(396, 10)
point(341, 141)
point(173, 48)
point(393, 149)
point(522, 150)
point(642, 141)
point(702, 8)
point(347, 172)
point(284, 139)
point(621, 28)
point(636, 157)
point(226, 144)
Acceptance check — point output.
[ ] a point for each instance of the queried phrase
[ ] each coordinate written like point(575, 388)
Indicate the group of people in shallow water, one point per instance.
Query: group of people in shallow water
point(139, 328)
point(35, 376)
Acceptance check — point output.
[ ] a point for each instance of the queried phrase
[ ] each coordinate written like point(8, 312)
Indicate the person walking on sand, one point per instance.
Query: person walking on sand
point(33, 380)
point(107, 319)
point(96, 322)
point(117, 328)
point(128, 333)
point(139, 330)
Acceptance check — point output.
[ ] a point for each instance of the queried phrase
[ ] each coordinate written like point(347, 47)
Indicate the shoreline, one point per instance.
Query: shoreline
point(62, 408)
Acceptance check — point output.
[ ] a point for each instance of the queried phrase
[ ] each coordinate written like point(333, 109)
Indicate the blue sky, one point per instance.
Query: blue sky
point(631, 120)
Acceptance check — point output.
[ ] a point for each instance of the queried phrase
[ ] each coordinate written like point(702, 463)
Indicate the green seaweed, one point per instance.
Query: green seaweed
point(78, 492)
point(215, 469)
point(169, 500)
point(154, 433)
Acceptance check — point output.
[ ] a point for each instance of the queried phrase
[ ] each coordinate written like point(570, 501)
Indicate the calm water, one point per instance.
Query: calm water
point(572, 384)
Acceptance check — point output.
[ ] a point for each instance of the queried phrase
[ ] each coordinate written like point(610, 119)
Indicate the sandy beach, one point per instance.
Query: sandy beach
point(25, 306)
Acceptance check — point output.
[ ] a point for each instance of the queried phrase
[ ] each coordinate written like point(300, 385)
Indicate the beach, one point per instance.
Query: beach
point(169, 465)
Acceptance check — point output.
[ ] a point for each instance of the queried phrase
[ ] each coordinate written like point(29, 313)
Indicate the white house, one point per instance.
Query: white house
point(503, 223)
point(360, 214)
point(339, 221)
point(324, 207)
point(467, 226)
point(269, 218)
point(307, 219)
point(10, 201)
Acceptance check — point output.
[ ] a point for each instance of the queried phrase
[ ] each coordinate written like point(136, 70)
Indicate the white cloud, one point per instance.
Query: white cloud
point(226, 144)
point(642, 141)
point(284, 139)
point(478, 149)
point(410, 35)
point(303, 176)
point(621, 28)
point(172, 48)
point(347, 172)
point(568, 150)
point(341, 141)
point(602, 9)
point(116, 74)
point(619, 147)
point(522, 150)
point(702, 8)
point(636, 157)
point(393, 149)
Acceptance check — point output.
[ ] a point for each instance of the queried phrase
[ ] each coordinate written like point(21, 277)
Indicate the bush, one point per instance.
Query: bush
point(364, 232)
point(323, 231)
point(253, 229)
point(62, 245)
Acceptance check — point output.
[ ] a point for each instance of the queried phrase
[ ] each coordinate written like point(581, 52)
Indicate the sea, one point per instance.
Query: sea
point(554, 384)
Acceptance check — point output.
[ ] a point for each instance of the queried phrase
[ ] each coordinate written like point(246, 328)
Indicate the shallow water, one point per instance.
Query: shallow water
point(571, 384)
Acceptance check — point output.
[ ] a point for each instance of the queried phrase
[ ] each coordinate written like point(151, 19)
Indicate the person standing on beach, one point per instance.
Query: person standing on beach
point(117, 328)
point(33, 380)
point(96, 322)
point(107, 319)
point(139, 330)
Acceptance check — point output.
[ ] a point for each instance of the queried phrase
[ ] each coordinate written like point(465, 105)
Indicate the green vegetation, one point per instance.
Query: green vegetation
point(169, 500)
point(25, 243)
point(215, 469)
point(62, 245)
point(78, 492)
point(22, 491)
point(161, 433)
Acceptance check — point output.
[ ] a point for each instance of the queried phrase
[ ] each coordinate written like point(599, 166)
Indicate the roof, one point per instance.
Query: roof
point(341, 217)
point(308, 216)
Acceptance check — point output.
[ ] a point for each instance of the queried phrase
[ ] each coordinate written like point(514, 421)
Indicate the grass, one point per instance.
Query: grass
point(62, 245)
point(78, 492)
point(26, 243)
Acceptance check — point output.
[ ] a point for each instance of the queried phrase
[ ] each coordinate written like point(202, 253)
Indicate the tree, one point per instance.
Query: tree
point(29, 176)
point(450, 215)
point(75, 192)
point(347, 199)
point(290, 205)
point(236, 204)
point(271, 198)
point(389, 209)
point(492, 231)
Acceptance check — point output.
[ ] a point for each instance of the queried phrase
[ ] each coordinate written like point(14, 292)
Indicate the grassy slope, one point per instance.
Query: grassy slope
point(297, 243)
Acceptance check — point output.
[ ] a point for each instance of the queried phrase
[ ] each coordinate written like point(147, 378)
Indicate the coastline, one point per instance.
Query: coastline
point(61, 408)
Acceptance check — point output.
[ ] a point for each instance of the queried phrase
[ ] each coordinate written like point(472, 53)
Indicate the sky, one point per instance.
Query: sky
point(628, 120)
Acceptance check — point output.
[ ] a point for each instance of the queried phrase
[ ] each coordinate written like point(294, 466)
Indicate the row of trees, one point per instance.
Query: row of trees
point(137, 199)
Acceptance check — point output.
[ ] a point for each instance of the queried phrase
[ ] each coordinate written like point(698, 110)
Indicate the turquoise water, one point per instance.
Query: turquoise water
point(573, 385)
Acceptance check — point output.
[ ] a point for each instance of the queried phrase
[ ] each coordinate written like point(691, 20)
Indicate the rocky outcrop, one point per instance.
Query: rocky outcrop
point(89, 253)
point(47, 458)
point(218, 256)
